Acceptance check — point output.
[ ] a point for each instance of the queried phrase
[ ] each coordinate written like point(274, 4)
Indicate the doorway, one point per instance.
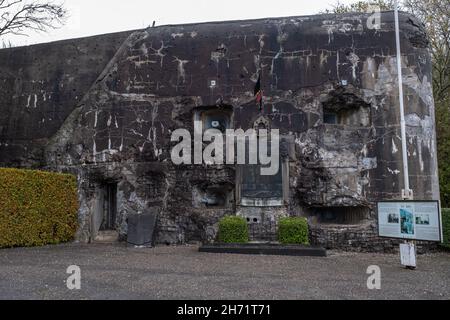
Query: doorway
point(109, 207)
point(104, 214)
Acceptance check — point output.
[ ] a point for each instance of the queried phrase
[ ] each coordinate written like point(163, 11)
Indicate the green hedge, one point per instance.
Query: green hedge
point(293, 231)
point(446, 226)
point(37, 208)
point(233, 229)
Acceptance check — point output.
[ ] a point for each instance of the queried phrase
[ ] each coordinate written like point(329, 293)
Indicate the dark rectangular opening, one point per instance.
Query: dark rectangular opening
point(212, 196)
point(330, 118)
point(219, 118)
point(109, 207)
point(341, 215)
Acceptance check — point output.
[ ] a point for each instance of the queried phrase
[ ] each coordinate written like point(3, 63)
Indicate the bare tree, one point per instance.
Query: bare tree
point(360, 6)
point(19, 16)
point(435, 14)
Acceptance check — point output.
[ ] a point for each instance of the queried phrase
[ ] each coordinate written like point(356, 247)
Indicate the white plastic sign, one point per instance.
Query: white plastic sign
point(410, 220)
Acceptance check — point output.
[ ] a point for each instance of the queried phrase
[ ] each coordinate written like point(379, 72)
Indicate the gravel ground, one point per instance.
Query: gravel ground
point(117, 272)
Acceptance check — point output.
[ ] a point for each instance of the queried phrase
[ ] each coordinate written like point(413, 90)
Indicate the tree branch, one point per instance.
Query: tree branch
point(18, 16)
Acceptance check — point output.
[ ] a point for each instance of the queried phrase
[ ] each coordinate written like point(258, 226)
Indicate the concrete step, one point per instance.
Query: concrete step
point(107, 237)
point(265, 249)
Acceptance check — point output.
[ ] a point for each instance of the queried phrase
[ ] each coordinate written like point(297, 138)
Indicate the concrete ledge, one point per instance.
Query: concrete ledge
point(265, 249)
point(107, 237)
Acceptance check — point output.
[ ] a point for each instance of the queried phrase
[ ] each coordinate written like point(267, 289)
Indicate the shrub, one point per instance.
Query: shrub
point(293, 231)
point(233, 229)
point(37, 208)
point(446, 226)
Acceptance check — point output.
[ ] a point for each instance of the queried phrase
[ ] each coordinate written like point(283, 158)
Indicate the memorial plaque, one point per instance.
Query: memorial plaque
point(256, 185)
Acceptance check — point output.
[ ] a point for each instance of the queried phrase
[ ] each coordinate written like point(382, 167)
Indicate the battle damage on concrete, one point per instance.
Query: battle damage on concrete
point(104, 108)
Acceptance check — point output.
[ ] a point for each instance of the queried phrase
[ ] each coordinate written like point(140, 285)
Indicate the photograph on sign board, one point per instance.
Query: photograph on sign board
point(407, 222)
point(423, 219)
point(393, 218)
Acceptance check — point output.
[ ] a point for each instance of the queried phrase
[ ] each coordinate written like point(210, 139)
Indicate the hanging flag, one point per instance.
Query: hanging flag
point(259, 93)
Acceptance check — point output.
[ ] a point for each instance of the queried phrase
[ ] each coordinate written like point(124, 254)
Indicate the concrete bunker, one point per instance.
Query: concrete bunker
point(107, 117)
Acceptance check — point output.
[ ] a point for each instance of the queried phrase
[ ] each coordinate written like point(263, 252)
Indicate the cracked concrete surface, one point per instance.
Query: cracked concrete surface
point(104, 108)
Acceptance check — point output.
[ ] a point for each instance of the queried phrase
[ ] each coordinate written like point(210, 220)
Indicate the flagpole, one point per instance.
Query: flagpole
point(260, 91)
point(407, 250)
point(407, 192)
point(259, 95)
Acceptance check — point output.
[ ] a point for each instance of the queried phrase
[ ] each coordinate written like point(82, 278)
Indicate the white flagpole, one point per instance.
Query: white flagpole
point(407, 250)
point(407, 194)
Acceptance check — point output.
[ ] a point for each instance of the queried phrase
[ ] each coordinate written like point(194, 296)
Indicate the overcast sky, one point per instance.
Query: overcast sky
point(92, 17)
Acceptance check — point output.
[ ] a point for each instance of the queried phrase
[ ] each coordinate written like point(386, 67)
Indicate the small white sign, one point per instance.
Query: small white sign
point(408, 255)
point(212, 83)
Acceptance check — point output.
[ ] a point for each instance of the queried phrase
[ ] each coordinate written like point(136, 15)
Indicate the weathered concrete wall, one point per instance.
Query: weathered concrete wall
point(160, 77)
point(40, 87)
